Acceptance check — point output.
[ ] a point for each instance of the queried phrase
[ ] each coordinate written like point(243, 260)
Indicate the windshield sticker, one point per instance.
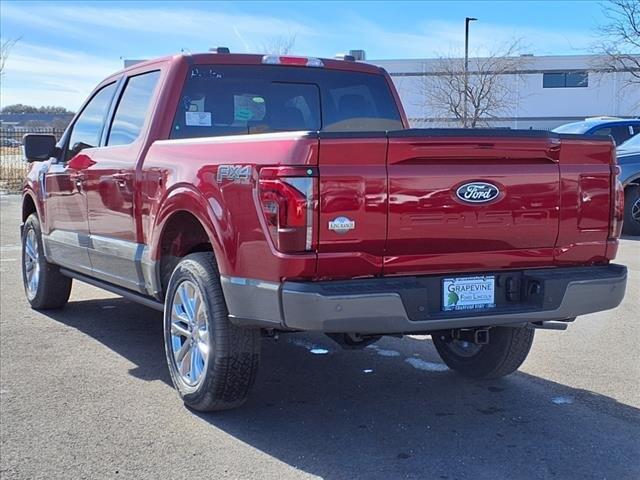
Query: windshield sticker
point(243, 114)
point(197, 119)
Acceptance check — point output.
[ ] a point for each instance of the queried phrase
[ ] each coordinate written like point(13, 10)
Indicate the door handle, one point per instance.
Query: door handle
point(121, 178)
point(79, 180)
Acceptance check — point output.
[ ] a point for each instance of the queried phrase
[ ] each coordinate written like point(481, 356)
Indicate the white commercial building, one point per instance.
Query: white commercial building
point(544, 91)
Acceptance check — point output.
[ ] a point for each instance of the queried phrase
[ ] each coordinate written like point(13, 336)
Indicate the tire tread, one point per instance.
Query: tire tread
point(231, 376)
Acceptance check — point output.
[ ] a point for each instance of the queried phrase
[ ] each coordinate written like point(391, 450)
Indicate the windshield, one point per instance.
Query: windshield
point(577, 127)
point(239, 99)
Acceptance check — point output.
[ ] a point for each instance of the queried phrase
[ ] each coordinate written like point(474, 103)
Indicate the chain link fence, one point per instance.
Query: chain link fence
point(13, 168)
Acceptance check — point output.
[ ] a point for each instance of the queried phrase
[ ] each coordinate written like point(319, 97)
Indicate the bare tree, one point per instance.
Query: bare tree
point(5, 49)
point(279, 45)
point(489, 91)
point(620, 44)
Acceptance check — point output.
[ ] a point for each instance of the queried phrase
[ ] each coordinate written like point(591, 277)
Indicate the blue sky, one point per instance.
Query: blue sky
point(65, 48)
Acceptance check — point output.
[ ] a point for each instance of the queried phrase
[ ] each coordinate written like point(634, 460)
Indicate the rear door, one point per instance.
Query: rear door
point(471, 203)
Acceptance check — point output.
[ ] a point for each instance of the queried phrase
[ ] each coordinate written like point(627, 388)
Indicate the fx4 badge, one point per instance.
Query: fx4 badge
point(234, 173)
point(342, 225)
point(477, 192)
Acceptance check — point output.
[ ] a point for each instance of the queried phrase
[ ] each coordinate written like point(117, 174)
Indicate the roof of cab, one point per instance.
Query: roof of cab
point(210, 58)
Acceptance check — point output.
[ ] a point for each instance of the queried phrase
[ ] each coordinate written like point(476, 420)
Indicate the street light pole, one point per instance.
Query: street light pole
point(467, 20)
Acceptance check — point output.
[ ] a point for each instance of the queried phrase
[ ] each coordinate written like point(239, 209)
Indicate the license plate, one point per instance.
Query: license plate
point(468, 293)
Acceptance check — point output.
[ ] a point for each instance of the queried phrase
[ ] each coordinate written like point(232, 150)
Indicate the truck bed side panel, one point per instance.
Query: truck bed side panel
point(192, 165)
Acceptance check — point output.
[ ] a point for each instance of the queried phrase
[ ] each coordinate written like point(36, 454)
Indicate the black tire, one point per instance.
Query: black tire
point(507, 349)
point(631, 225)
point(52, 289)
point(229, 371)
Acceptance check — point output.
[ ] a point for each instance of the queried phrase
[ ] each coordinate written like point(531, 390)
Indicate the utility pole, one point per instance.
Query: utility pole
point(467, 20)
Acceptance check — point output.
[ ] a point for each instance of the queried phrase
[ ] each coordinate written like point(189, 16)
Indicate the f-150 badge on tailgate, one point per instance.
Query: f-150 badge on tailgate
point(477, 192)
point(342, 225)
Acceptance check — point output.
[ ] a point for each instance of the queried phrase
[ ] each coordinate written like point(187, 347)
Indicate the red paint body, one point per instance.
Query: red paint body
point(554, 208)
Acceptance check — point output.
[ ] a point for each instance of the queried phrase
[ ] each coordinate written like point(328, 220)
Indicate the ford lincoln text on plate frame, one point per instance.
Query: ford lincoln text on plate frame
point(245, 195)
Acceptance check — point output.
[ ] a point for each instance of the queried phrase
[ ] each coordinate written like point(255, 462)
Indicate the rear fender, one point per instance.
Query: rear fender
point(186, 199)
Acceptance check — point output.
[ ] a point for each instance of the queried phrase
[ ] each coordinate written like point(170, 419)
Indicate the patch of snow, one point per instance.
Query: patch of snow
point(563, 400)
point(424, 365)
point(387, 353)
point(315, 349)
point(319, 351)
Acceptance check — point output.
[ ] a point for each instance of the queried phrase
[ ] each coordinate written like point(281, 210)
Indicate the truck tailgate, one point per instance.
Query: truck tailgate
point(426, 201)
point(471, 202)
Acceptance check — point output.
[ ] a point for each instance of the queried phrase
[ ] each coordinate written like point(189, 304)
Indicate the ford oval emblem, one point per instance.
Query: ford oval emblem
point(477, 192)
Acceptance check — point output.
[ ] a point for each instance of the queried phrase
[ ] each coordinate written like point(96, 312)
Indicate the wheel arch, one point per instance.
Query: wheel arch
point(29, 206)
point(632, 182)
point(185, 224)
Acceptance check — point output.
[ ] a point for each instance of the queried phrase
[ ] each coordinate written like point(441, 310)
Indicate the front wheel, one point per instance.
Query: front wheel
point(508, 347)
point(44, 285)
point(213, 363)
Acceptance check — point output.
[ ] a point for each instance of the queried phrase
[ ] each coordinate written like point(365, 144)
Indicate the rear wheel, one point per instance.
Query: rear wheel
point(213, 363)
point(508, 347)
point(631, 225)
point(43, 283)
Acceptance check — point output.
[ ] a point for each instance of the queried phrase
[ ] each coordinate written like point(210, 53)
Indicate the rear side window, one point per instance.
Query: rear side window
point(236, 100)
point(87, 129)
point(620, 133)
point(132, 109)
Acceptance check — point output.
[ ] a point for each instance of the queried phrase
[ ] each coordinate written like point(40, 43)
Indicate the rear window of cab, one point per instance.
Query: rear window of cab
point(234, 100)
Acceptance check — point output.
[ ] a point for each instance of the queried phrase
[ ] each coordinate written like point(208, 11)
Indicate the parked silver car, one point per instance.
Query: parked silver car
point(629, 161)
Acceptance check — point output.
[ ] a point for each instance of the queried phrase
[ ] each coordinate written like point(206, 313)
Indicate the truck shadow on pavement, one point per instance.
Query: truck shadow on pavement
point(392, 410)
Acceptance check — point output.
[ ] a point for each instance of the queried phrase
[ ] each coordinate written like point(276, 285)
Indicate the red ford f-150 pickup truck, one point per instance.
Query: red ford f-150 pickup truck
point(246, 195)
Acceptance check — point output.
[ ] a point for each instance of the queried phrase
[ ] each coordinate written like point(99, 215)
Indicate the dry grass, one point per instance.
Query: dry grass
point(12, 169)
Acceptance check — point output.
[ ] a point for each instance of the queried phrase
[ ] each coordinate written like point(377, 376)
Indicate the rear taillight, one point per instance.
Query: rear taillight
point(617, 203)
point(288, 202)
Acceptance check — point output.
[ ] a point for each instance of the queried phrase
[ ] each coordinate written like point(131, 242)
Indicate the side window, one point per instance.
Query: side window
point(132, 109)
point(602, 132)
point(620, 134)
point(88, 127)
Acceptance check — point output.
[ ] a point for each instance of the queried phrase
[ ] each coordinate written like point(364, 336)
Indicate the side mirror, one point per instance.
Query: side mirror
point(39, 147)
point(78, 147)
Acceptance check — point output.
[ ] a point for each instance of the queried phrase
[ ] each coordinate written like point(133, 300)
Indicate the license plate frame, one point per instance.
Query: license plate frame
point(469, 293)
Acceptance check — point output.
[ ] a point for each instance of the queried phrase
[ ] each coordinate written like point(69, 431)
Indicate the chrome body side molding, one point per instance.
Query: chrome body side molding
point(117, 262)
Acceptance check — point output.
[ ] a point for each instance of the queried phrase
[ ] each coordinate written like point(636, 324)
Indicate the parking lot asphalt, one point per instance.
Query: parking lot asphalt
point(85, 393)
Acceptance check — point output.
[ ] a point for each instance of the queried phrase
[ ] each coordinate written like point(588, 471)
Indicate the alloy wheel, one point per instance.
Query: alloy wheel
point(31, 263)
point(189, 333)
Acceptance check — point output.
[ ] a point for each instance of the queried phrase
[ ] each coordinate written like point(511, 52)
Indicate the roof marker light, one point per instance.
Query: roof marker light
point(288, 60)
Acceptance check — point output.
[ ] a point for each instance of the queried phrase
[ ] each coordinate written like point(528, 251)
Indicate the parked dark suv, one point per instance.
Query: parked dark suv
point(619, 128)
point(629, 162)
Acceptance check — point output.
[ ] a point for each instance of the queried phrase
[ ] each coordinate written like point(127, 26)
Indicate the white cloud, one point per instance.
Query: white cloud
point(95, 24)
point(435, 37)
point(39, 75)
